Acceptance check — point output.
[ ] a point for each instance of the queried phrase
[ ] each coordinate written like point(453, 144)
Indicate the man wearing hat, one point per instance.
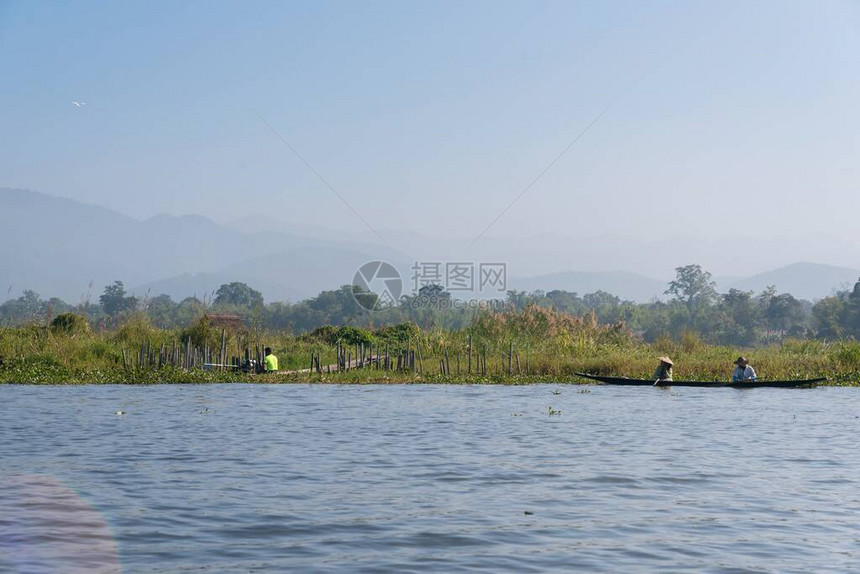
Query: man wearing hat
point(743, 371)
point(664, 370)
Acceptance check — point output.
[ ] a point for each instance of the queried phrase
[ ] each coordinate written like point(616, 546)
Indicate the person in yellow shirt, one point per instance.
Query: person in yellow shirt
point(271, 361)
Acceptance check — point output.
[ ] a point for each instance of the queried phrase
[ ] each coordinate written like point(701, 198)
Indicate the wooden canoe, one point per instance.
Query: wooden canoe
point(710, 384)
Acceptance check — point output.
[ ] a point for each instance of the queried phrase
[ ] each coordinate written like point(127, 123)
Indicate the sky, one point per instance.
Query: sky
point(713, 119)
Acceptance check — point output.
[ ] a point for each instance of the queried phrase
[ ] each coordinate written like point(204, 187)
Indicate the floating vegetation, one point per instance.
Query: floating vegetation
point(513, 349)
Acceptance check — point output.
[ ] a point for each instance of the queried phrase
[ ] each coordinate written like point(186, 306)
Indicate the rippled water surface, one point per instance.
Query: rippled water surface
point(259, 478)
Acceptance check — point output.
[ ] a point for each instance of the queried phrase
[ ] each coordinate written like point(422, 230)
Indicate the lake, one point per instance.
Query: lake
point(428, 478)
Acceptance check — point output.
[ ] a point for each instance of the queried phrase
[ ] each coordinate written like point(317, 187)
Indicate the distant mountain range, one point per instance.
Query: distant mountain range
point(58, 247)
point(803, 280)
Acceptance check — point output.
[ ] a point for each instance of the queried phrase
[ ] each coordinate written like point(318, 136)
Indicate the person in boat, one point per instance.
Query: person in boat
point(743, 371)
point(664, 369)
point(271, 361)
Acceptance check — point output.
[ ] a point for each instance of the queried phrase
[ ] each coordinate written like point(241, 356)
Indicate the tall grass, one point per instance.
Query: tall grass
point(550, 346)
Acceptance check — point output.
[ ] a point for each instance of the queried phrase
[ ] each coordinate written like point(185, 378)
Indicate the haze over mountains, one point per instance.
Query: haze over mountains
point(58, 246)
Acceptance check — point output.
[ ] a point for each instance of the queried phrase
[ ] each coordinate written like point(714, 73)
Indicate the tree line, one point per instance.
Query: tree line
point(693, 306)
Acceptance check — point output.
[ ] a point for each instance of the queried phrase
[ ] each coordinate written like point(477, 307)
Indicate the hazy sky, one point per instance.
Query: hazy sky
point(433, 116)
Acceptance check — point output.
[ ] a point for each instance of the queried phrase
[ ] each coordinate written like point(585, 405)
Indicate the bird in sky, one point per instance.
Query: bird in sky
point(79, 104)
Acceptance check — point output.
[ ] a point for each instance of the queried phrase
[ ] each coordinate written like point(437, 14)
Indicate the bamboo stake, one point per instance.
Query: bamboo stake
point(469, 362)
point(420, 361)
point(484, 368)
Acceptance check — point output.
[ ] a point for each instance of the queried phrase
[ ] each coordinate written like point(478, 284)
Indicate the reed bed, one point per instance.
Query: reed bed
point(529, 346)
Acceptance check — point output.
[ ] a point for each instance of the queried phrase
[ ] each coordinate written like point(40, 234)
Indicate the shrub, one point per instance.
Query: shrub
point(400, 333)
point(324, 334)
point(690, 341)
point(354, 336)
point(202, 333)
point(135, 329)
point(536, 323)
point(663, 344)
point(848, 355)
point(69, 324)
point(345, 335)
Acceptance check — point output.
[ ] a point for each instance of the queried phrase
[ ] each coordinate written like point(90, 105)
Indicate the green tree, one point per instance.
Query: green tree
point(162, 311)
point(785, 314)
point(238, 294)
point(519, 299)
point(366, 299)
point(26, 308)
point(828, 317)
point(693, 287)
point(279, 316)
point(851, 314)
point(600, 299)
point(566, 301)
point(741, 317)
point(189, 310)
point(114, 300)
point(433, 290)
point(201, 333)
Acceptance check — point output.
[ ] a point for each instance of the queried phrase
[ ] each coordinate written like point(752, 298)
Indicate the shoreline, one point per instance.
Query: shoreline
point(137, 353)
point(160, 377)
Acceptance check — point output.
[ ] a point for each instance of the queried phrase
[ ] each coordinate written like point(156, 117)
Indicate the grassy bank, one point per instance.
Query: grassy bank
point(517, 349)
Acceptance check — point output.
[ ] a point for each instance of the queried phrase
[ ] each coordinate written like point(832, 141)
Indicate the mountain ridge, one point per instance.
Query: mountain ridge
point(58, 246)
